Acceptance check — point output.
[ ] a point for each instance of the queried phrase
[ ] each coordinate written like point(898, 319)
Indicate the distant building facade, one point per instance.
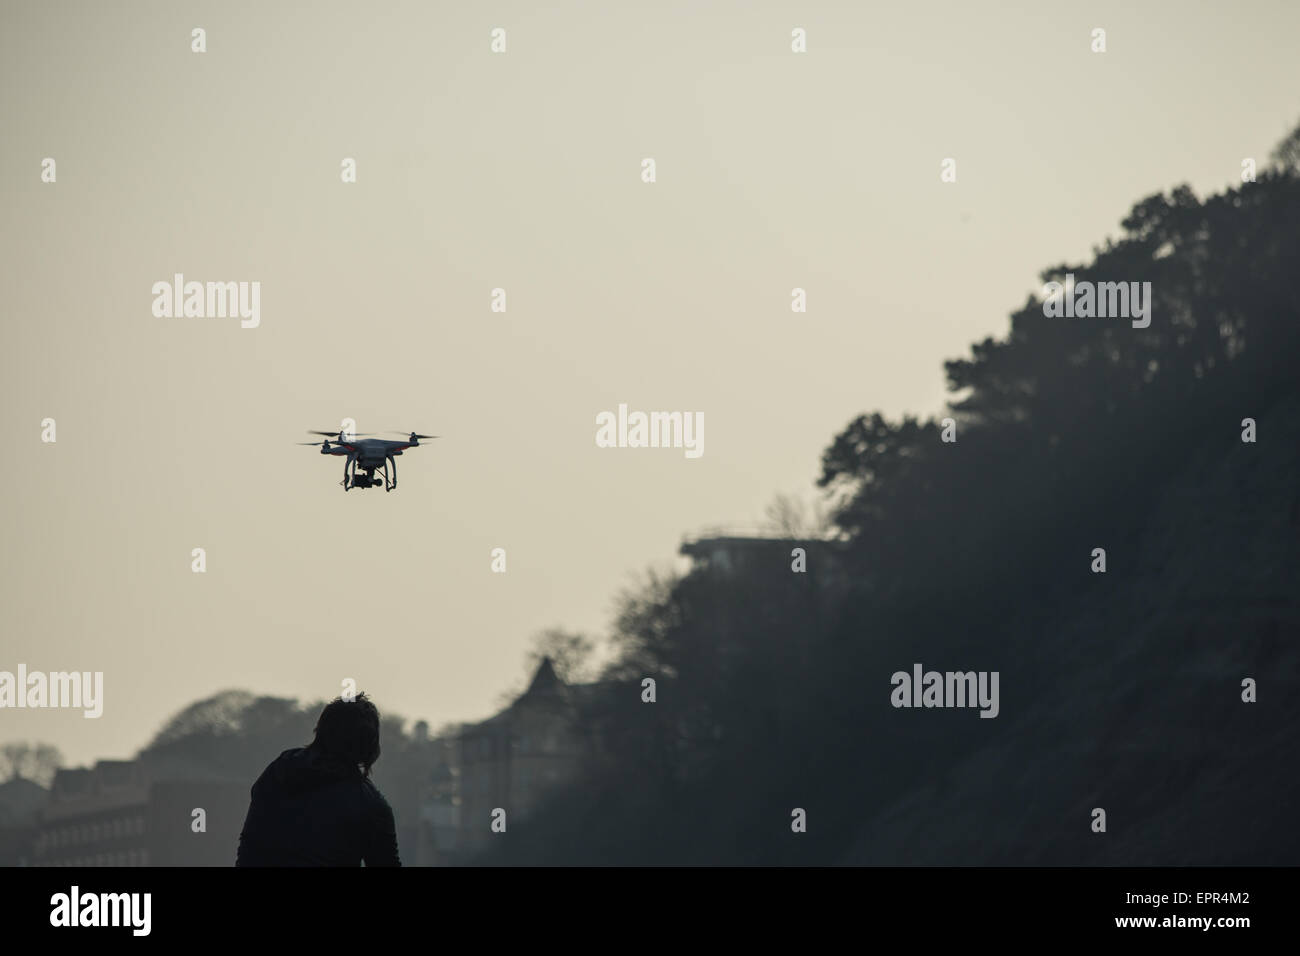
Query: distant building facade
point(512, 760)
point(438, 835)
point(21, 802)
point(736, 552)
point(112, 814)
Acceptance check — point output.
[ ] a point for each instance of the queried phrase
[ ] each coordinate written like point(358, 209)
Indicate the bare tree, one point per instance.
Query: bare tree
point(573, 657)
point(25, 761)
point(571, 654)
point(14, 755)
point(791, 517)
point(45, 761)
point(1287, 153)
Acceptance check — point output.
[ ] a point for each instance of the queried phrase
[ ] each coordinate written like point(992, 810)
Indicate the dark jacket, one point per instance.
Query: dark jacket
point(309, 809)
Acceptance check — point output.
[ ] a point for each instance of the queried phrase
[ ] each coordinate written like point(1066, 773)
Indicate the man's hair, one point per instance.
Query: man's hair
point(349, 730)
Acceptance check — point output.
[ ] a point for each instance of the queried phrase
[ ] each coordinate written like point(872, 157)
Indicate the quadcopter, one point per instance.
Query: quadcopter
point(368, 454)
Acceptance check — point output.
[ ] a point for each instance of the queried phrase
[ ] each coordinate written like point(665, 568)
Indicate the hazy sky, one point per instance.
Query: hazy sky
point(522, 171)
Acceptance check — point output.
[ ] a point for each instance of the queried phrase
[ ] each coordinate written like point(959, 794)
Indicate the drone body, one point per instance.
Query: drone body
point(367, 454)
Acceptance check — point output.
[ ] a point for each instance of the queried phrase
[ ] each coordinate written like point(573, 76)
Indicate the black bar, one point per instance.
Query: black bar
point(441, 905)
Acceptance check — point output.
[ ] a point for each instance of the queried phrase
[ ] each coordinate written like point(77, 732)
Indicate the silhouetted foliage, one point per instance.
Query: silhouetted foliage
point(230, 735)
point(773, 687)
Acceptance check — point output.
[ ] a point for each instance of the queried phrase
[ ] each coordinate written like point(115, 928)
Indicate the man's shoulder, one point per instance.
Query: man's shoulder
point(289, 754)
point(374, 796)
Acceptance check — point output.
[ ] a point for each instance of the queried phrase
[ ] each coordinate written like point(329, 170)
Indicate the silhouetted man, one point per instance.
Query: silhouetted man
point(316, 806)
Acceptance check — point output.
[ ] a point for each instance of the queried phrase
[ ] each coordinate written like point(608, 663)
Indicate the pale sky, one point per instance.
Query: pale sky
point(520, 170)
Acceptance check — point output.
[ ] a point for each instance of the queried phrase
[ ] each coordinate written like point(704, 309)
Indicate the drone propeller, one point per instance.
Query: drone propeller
point(413, 435)
point(335, 434)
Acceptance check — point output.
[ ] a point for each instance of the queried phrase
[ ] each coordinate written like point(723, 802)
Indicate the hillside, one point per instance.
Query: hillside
point(1127, 692)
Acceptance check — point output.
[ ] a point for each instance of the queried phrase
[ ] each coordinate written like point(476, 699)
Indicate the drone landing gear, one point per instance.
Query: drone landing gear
point(389, 472)
point(349, 473)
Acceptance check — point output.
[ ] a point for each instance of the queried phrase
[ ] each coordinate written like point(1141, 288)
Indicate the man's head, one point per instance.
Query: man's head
point(349, 731)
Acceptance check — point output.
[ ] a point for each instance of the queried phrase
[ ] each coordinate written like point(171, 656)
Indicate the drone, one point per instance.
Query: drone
point(368, 454)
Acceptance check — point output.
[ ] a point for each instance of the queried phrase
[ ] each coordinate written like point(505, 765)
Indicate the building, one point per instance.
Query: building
point(512, 760)
point(437, 841)
point(438, 832)
point(735, 552)
point(21, 802)
point(113, 814)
